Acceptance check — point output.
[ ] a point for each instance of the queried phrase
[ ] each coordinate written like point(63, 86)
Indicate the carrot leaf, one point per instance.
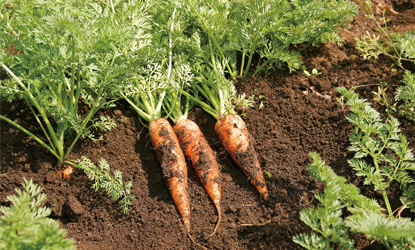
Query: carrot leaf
point(113, 185)
point(25, 224)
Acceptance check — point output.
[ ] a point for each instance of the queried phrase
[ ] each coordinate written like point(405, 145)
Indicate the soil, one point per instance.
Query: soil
point(300, 115)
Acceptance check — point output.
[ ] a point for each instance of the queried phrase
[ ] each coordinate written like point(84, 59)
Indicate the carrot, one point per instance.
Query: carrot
point(198, 151)
point(173, 166)
point(66, 173)
point(221, 99)
point(234, 136)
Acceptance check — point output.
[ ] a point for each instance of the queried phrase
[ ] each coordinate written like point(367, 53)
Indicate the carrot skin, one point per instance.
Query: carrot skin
point(234, 136)
point(198, 151)
point(173, 165)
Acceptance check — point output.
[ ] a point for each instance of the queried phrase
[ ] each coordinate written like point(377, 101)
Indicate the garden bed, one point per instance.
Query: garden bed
point(300, 114)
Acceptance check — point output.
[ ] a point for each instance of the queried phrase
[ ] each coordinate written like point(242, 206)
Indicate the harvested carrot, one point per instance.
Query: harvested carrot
point(173, 165)
point(198, 151)
point(234, 136)
point(220, 93)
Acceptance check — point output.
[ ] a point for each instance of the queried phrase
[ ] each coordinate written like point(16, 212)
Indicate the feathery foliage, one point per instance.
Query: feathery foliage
point(397, 46)
point(371, 137)
point(25, 225)
point(329, 225)
point(68, 52)
point(406, 94)
point(113, 186)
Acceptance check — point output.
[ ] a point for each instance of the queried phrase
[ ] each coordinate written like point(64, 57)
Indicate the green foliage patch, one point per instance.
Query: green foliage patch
point(25, 225)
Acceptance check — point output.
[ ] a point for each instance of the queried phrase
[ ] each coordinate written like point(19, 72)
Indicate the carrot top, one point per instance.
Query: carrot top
point(146, 93)
point(176, 105)
point(219, 92)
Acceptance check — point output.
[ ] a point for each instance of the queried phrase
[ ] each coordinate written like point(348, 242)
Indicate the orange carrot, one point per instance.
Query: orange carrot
point(198, 151)
point(173, 166)
point(234, 136)
point(66, 173)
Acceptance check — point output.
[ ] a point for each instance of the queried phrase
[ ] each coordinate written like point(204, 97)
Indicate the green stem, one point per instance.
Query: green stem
point(203, 105)
point(385, 197)
point(243, 61)
point(72, 85)
point(112, 7)
point(248, 65)
point(41, 111)
point(78, 93)
point(43, 128)
point(94, 109)
point(32, 136)
point(140, 112)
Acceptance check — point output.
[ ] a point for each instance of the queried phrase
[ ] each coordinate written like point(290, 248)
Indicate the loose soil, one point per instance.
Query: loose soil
point(300, 115)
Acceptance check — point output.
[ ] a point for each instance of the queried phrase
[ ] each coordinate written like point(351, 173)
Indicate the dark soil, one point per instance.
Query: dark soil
point(300, 115)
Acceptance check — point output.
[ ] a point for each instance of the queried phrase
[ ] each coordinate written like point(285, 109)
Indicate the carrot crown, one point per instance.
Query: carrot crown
point(146, 93)
point(176, 105)
point(219, 92)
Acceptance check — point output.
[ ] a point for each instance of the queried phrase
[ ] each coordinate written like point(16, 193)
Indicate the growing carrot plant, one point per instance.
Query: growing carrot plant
point(113, 186)
point(383, 143)
point(406, 94)
point(329, 225)
point(267, 28)
point(67, 53)
point(25, 224)
point(399, 47)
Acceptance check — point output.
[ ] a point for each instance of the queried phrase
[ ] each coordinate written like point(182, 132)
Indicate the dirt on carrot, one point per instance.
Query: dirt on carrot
point(173, 166)
point(66, 173)
point(174, 169)
point(234, 136)
point(198, 151)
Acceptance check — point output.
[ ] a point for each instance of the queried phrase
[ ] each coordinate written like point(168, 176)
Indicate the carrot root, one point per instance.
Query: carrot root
point(234, 136)
point(173, 166)
point(66, 173)
point(198, 151)
point(194, 242)
point(217, 223)
point(174, 169)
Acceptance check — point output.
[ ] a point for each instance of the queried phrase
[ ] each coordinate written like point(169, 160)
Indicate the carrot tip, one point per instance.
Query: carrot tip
point(217, 223)
point(194, 242)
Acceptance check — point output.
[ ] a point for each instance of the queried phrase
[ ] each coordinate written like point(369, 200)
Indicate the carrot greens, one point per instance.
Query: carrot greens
point(266, 28)
point(113, 186)
point(67, 53)
point(406, 94)
point(329, 225)
point(370, 138)
point(25, 224)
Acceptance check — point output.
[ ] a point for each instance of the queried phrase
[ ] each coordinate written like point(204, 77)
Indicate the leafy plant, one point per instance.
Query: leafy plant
point(406, 95)
point(382, 98)
point(25, 225)
point(113, 186)
point(397, 46)
point(70, 52)
point(382, 142)
point(265, 28)
point(329, 225)
point(298, 22)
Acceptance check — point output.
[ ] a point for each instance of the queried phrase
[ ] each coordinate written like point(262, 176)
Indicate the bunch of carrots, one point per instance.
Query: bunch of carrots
point(173, 91)
point(175, 94)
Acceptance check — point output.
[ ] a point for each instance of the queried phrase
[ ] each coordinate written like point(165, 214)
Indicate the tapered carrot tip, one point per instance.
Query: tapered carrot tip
point(234, 136)
point(198, 151)
point(173, 165)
